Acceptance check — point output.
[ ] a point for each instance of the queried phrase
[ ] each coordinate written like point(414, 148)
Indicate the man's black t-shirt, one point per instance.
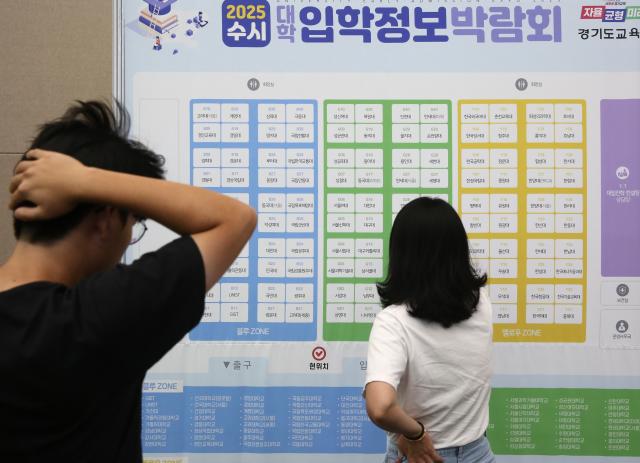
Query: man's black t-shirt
point(72, 360)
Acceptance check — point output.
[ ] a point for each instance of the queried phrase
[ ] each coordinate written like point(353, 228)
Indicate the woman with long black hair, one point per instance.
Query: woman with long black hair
point(429, 359)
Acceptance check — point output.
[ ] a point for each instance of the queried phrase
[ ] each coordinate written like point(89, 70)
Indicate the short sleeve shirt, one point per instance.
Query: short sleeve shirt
point(72, 359)
point(441, 375)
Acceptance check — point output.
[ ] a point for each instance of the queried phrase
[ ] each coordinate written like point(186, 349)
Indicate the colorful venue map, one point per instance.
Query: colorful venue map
point(327, 117)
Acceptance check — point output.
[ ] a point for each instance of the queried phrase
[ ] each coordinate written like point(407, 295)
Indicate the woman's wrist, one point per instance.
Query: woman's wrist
point(416, 437)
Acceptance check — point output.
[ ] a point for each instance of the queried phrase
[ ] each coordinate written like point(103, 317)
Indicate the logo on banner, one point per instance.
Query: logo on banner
point(319, 353)
point(612, 12)
point(246, 23)
point(622, 172)
point(609, 19)
point(622, 290)
point(622, 326)
point(622, 331)
point(253, 84)
point(522, 84)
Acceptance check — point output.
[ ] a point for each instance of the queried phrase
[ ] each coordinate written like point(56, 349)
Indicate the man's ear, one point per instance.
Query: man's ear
point(105, 220)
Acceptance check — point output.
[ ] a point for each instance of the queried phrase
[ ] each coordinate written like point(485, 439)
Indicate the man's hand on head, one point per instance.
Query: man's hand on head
point(45, 185)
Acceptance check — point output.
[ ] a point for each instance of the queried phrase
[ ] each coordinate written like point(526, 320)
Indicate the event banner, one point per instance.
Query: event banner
point(327, 116)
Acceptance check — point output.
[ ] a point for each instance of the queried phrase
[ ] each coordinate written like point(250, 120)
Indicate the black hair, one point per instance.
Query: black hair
point(95, 135)
point(430, 270)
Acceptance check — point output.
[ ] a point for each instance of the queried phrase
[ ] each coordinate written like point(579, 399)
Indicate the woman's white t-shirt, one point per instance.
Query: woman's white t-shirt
point(441, 375)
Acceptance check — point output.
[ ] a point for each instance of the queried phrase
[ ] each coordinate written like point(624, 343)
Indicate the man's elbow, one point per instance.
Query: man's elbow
point(251, 219)
point(247, 220)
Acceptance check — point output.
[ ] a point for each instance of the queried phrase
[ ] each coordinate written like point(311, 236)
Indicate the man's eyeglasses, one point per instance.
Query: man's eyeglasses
point(138, 230)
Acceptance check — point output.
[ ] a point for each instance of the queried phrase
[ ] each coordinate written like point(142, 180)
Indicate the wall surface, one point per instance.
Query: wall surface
point(52, 53)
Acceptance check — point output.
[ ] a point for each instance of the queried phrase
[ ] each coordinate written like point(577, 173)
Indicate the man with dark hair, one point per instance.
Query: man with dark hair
point(90, 133)
point(78, 331)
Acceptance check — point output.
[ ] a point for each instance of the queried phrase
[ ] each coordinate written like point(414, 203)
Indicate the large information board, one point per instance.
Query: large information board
point(327, 117)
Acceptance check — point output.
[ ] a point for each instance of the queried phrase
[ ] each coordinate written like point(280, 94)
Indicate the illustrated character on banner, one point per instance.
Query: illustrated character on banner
point(199, 20)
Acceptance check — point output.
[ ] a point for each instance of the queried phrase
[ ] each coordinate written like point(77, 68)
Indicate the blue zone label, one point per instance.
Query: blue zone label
point(259, 420)
point(264, 153)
